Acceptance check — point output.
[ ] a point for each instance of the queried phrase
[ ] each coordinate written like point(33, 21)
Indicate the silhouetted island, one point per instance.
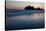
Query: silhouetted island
point(32, 8)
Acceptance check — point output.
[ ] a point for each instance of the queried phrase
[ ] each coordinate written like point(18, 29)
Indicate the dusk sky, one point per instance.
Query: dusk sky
point(22, 4)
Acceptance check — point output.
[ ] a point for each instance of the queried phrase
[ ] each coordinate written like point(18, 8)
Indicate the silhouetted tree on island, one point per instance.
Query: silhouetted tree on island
point(38, 8)
point(29, 8)
point(32, 8)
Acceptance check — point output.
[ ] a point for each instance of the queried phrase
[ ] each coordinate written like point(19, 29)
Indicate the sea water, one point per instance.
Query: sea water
point(24, 19)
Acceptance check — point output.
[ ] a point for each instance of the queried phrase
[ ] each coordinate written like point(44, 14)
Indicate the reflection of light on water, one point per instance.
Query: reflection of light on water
point(36, 16)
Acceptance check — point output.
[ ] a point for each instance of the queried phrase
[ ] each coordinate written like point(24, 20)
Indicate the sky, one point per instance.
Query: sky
point(27, 0)
point(23, 4)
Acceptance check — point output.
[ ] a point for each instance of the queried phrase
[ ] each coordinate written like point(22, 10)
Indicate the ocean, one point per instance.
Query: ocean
point(24, 19)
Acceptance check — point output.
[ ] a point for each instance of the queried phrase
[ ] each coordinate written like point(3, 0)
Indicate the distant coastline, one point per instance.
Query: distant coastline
point(32, 8)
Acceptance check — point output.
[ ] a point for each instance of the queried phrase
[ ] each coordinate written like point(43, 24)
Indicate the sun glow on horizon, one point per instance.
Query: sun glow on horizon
point(22, 5)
